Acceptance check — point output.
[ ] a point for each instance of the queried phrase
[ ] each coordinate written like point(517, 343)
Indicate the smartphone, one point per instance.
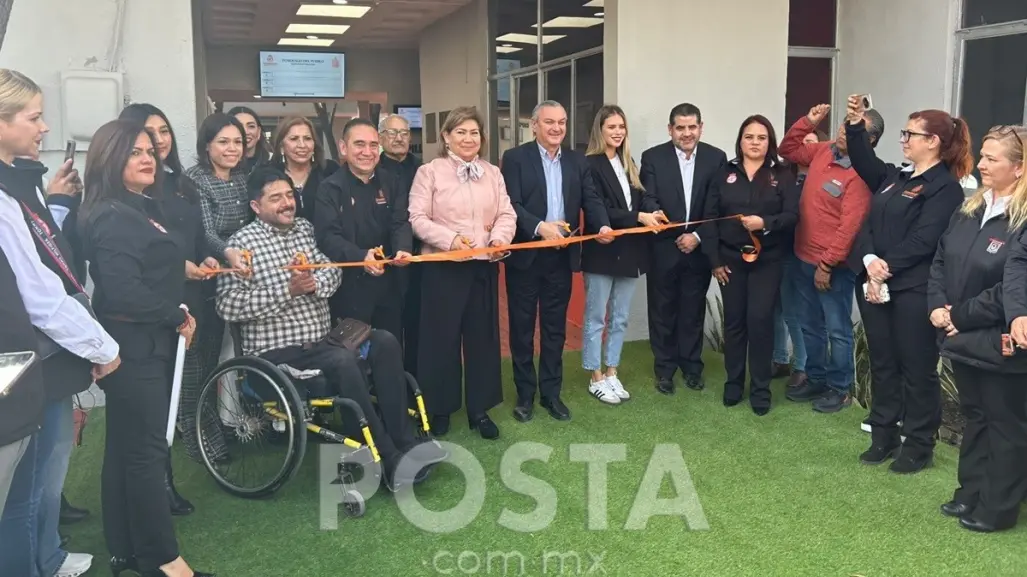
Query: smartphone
point(868, 102)
point(69, 151)
point(12, 367)
point(1008, 348)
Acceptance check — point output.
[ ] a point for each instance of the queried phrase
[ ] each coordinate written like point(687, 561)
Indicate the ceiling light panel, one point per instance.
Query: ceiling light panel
point(594, 4)
point(529, 38)
point(507, 49)
point(332, 11)
point(305, 42)
point(329, 29)
point(571, 22)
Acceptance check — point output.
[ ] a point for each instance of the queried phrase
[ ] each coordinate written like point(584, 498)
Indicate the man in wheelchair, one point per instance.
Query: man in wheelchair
point(283, 317)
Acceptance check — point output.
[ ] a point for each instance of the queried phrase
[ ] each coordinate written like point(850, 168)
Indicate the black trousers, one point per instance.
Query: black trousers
point(460, 337)
point(539, 294)
point(676, 292)
point(392, 433)
point(993, 454)
point(136, 512)
point(750, 297)
point(411, 316)
point(377, 301)
point(903, 369)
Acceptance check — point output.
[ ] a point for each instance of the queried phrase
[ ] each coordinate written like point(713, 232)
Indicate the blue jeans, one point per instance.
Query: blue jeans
point(605, 297)
point(786, 320)
point(29, 544)
point(827, 317)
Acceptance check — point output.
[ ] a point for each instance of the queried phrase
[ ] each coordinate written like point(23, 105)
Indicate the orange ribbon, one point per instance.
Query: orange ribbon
point(749, 254)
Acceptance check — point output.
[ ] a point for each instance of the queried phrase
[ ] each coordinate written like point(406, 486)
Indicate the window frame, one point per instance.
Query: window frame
point(964, 35)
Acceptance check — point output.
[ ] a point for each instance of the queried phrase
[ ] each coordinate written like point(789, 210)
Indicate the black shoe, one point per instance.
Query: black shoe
point(121, 564)
point(427, 452)
point(70, 514)
point(956, 509)
point(439, 425)
point(694, 382)
point(665, 386)
point(909, 462)
point(832, 402)
point(878, 454)
point(760, 411)
point(968, 522)
point(486, 428)
point(524, 411)
point(731, 401)
point(556, 408)
point(179, 505)
point(806, 392)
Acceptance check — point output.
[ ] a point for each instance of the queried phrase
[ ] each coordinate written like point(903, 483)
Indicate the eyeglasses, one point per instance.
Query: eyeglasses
point(904, 135)
point(393, 133)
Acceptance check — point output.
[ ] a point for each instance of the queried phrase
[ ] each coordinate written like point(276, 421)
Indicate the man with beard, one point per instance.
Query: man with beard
point(359, 210)
point(549, 186)
point(677, 176)
point(283, 317)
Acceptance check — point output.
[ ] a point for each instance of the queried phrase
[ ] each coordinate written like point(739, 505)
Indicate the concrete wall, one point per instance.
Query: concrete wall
point(46, 37)
point(904, 72)
point(454, 66)
point(640, 73)
point(397, 72)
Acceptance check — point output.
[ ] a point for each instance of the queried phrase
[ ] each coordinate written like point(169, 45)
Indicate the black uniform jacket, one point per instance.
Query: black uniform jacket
point(907, 214)
point(139, 272)
point(184, 218)
point(525, 180)
point(353, 216)
point(1014, 279)
point(967, 275)
point(627, 255)
point(772, 195)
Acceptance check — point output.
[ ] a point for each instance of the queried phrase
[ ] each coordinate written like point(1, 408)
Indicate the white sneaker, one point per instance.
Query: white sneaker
point(602, 391)
point(617, 387)
point(75, 564)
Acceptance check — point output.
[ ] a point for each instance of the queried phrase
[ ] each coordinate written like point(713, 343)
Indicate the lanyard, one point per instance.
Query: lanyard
point(42, 232)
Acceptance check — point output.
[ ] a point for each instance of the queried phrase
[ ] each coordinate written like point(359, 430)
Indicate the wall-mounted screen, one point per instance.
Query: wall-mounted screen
point(302, 75)
point(412, 114)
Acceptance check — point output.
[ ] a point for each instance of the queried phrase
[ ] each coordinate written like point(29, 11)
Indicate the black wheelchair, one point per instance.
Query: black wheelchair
point(250, 404)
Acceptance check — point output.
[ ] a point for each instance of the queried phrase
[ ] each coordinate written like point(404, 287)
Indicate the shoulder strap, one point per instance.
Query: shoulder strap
point(42, 233)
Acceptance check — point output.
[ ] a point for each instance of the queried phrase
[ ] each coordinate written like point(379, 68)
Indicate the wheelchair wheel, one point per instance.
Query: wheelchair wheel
point(354, 504)
point(263, 422)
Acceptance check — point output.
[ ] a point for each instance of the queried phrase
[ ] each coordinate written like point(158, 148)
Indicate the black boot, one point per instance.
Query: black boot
point(70, 514)
point(179, 505)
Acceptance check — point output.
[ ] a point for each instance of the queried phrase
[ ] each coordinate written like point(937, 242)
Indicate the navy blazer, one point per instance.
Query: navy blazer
point(627, 255)
point(526, 185)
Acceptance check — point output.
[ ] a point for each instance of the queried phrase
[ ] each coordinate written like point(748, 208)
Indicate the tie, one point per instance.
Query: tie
point(467, 170)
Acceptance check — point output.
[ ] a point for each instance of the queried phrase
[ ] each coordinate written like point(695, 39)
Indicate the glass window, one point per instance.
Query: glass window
point(994, 88)
point(571, 26)
point(515, 33)
point(808, 84)
point(812, 23)
point(589, 91)
point(982, 12)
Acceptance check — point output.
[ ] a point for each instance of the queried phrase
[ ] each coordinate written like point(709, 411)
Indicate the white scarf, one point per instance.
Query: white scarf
point(467, 170)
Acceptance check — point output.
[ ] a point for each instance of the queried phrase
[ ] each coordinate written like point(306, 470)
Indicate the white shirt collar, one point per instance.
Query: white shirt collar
point(545, 153)
point(685, 158)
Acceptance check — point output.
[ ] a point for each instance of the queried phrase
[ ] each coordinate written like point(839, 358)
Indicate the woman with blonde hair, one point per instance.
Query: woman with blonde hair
point(612, 270)
point(298, 151)
point(459, 201)
point(966, 304)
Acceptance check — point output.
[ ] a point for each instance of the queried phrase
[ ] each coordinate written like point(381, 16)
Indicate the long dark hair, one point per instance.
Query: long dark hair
point(109, 151)
point(208, 131)
point(140, 112)
point(262, 144)
point(772, 161)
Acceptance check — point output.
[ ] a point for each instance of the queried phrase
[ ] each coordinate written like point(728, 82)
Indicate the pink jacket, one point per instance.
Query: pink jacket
point(441, 208)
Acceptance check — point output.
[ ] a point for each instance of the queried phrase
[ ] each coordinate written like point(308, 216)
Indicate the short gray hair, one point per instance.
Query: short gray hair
point(383, 124)
point(544, 104)
point(875, 125)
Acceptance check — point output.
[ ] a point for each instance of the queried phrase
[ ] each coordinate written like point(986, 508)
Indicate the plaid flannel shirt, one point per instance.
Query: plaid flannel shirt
point(225, 205)
point(269, 316)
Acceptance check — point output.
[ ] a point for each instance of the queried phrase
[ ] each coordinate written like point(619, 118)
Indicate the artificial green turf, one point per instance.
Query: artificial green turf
point(783, 494)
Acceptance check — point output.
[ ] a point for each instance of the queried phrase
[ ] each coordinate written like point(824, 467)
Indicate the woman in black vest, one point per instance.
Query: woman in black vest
point(139, 272)
point(43, 262)
point(965, 300)
point(755, 184)
point(908, 214)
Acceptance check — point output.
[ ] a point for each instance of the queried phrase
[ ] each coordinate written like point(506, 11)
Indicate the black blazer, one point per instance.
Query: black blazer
point(628, 255)
point(661, 178)
point(526, 185)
